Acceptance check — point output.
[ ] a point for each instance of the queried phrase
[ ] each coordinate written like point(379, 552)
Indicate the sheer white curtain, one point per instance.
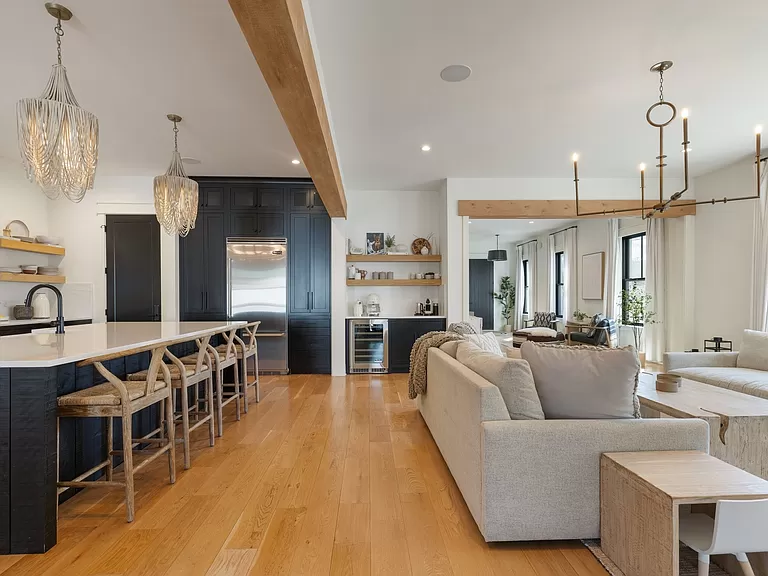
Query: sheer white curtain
point(532, 255)
point(519, 290)
point(656, 286)
point(571, 273)
point(551, 243)
point(612, 270)
point(760, 260)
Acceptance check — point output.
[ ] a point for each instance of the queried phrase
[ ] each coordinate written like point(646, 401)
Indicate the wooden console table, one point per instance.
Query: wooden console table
point(640, 498)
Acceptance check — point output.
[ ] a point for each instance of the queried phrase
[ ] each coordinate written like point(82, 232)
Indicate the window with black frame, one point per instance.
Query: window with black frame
point(633, 266)
point(559, 283)
point(526, 289)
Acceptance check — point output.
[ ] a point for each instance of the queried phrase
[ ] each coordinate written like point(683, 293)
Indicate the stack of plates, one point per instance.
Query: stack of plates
point(48, 271)
point(11, 269)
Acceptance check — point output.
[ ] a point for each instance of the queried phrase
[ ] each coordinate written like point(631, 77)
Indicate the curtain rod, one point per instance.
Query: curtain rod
point(564, 229)
point(524, 243)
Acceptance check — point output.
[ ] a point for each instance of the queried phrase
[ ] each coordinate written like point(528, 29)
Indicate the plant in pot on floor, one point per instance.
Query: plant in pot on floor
point(506, 295)
point(637, 314)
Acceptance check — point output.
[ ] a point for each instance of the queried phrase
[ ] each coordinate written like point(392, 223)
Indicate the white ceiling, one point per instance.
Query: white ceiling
point(183, 56)
point(482, 233)
point(549, 78)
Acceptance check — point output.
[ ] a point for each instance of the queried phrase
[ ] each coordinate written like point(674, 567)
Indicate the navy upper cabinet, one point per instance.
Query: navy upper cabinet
point(243, 197)
point(320, 250)
point(257, 224)
point(212, 197)
point(310, 263)
point(305, 199)
point(203, 269)
point(270, 198)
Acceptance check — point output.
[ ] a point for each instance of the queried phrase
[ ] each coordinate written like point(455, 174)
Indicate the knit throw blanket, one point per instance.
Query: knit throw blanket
point(417, 379)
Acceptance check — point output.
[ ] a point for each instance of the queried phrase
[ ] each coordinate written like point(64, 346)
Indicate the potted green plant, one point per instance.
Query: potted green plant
point(389, 242)
point(637, 314)
point(506, 295)
point(580, 316)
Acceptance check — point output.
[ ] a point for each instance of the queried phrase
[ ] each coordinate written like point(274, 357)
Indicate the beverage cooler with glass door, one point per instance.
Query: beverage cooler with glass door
point(368, 346)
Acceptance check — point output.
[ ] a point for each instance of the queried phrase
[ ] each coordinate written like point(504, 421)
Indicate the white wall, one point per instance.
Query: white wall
point(723, 254)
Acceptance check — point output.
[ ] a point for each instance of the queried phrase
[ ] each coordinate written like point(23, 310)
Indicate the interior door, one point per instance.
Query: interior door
point(133, 268)
point(481, 290)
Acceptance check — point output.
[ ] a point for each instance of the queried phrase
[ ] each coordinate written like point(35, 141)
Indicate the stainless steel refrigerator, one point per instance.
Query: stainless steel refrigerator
point(257, 289)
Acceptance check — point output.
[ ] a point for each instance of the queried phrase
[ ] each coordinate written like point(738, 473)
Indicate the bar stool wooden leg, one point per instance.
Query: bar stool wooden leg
point(171, 437)
point(256, 375)
point(209, 408)
point(185, 424)
point(238, 396)
point(128, 463)
point(110, 448)
point(245, 384)
point(219, 400)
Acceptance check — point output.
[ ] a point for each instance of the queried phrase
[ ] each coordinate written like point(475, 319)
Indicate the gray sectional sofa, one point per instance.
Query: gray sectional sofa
point(531, 479)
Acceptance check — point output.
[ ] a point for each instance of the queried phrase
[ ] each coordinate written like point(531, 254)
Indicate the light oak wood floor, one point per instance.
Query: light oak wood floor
point(324, 476)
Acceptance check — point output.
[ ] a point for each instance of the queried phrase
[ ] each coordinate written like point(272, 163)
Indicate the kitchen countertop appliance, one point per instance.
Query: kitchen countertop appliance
point(368, 346)
point(373, 305)
point(257, 289)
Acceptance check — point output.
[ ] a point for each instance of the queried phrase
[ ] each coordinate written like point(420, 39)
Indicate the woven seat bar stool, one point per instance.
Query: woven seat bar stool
point(246, 347)
point(184, 377)
point(121, 399)
point(222, 360)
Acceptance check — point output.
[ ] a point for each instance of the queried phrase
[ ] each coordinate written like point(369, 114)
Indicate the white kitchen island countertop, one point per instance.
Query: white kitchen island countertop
point(93, 340)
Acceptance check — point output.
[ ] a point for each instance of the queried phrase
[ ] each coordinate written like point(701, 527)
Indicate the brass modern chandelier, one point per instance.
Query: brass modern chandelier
point(175, 194)
point(674, 199)
point(58, 140)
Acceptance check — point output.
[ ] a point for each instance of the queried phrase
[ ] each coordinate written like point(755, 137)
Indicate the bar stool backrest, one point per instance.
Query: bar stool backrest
point(249, 335)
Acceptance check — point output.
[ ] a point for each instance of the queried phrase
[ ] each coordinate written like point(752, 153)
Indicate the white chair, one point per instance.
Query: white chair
point(739, 527)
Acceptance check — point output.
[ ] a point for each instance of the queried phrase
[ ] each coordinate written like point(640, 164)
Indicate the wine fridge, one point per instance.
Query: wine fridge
point(368, 346)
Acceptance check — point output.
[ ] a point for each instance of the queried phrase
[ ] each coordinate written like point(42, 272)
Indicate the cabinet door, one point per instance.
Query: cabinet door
point(243, 225)
point(271, 198)
point(401, 339)
point(212, 197)
point(270, 224)
point(320, 254)
point(315, 202)
point(428, 325)
point(309, 350)
point(299, 264)
point(243, 197)
point(301, 199)
point(214, 264)
point(192, 273)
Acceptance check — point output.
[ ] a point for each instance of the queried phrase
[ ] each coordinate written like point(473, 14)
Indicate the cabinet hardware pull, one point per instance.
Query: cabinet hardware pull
point(311, 301)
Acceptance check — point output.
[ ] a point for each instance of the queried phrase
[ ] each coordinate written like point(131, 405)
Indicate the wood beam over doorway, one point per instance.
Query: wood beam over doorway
point(559, 209)
point(276, 31)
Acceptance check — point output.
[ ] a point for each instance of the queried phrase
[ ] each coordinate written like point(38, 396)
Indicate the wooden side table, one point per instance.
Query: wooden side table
point(640, 498)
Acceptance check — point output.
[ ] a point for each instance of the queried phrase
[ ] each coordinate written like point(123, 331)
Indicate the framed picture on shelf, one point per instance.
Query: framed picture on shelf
point(374, 243)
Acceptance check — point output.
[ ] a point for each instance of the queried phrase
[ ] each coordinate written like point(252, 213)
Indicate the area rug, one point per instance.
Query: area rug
point(689, 561)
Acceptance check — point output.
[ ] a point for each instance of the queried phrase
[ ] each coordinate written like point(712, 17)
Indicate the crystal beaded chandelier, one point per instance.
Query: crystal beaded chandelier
point(175, 194)
point(58, 140)
point(674, 200)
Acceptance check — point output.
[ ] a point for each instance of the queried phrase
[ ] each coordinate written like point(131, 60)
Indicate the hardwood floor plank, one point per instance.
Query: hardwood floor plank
point(232, 562)
point(425, 543)
point(353, 525)
point(351, 560)
point(280, 543)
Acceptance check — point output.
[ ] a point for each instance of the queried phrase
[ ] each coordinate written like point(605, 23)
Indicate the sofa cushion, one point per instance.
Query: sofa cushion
point(538, 331)
point(746, 380)
point(584, 382)
point(754, 350)
point(450, 347)
point(485, 342)
point(512, 377)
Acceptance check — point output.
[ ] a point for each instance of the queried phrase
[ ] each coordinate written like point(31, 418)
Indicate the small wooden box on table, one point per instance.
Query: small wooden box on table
point(640, 498)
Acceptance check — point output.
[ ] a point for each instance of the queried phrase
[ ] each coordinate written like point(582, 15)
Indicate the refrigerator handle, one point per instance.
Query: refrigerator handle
point(229, 288)
point(308, 306)
point(311, 301)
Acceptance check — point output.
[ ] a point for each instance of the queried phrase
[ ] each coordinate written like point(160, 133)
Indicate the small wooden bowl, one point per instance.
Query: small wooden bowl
point(668, 382)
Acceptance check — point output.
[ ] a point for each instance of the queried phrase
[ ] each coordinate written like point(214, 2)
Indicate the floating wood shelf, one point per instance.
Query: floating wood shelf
point(402, 282)
point(12, 244)
point(394, 258)
point(32, 278)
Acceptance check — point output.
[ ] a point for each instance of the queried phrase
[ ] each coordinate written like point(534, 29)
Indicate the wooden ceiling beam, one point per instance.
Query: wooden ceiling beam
point(276, 31)
point(559, 209)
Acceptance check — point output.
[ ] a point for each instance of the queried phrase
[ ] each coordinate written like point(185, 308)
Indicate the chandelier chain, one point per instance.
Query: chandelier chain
point(59, 33)
point(175, 137)
point(661, 85)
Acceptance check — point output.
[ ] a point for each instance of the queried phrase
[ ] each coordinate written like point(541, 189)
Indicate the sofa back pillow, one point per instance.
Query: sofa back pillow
point(485, 342)
point(754, 351)
point(584, 382)
point(512, 377)
point(450, 348)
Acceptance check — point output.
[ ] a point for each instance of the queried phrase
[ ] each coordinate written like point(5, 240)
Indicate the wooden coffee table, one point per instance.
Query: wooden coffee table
point(640, 498)
point(738, 423)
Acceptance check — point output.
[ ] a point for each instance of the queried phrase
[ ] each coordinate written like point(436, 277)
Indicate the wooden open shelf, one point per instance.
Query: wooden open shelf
point(32, 278)
point(401, 282)
point(12, 244)
point(394, 258)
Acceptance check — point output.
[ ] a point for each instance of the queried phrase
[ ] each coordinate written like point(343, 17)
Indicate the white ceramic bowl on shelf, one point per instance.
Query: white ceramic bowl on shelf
point(29, 269)
point(48, 240)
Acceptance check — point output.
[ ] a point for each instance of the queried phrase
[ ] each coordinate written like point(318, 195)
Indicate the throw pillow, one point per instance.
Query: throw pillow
point(512, 377)
point(584, 382)
point(450, 347)
point(754, 351)
point(485, 342)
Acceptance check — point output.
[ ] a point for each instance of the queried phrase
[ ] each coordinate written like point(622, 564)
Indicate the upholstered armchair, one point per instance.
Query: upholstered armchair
point(603, 333)
point(542, 320)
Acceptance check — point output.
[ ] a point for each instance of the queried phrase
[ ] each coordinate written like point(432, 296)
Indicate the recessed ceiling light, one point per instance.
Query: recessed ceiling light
point(530, 222)
point(426, 148)
point(470, 222)
point(189, 160)
point(295, 161)
point(455, 73)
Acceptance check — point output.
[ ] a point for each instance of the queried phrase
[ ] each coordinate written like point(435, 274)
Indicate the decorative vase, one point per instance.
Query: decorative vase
point(424, 251)
point(507, 328)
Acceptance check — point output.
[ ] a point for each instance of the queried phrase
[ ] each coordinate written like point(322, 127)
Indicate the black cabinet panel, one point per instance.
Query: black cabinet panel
point(299, 264)
point(309, 347)
point(192, 277)
point(402, 335)
point(316, 203)
point(215, 264)
point(203, 264)
point(320, 250)
point(243, 225)
point(243, 197)
point(271, 198)
point(252, 224)
point(305, 200)
point(212, 197)
point(271, 224)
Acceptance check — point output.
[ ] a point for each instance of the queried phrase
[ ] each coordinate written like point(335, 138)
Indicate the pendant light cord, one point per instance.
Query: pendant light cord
point(59, 33)
point(661, 85)
point(175, 137)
